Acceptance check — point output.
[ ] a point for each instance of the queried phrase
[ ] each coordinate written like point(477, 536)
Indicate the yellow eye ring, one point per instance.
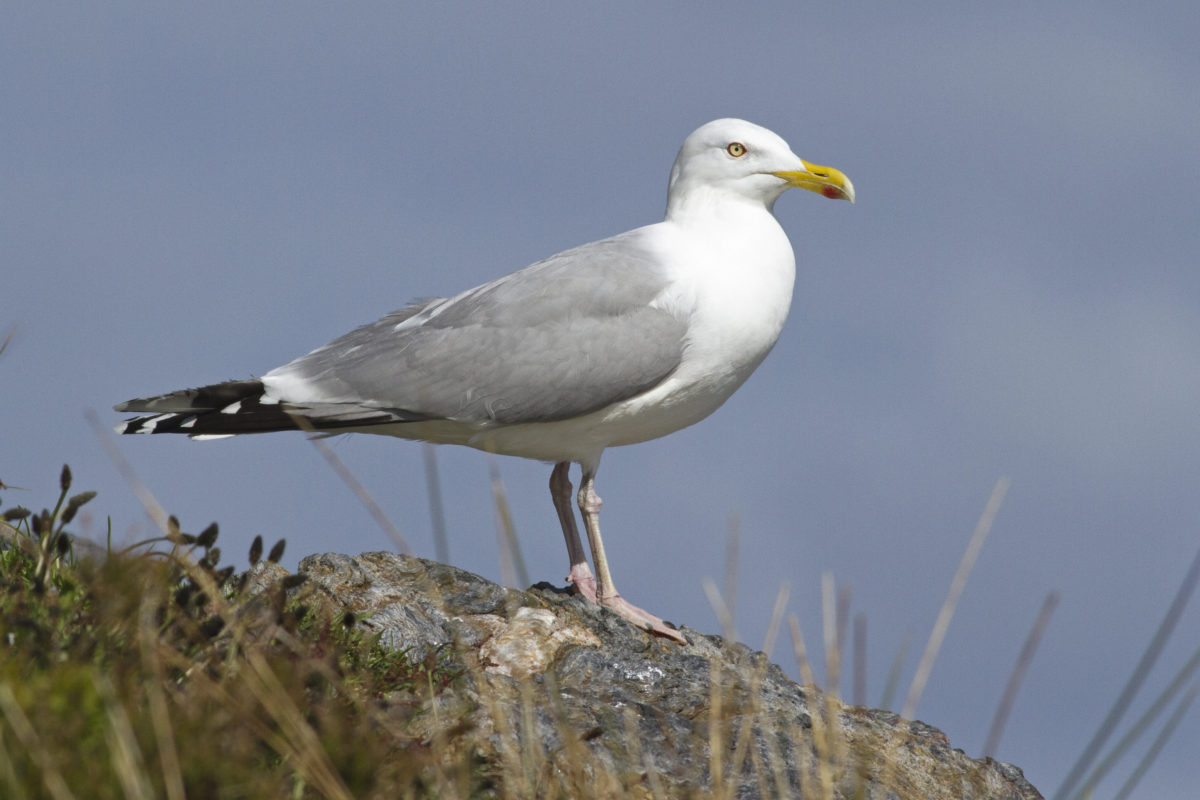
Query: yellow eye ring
point(736, 149)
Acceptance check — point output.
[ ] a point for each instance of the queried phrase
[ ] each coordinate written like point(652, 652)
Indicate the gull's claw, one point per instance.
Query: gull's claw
point(640, 618)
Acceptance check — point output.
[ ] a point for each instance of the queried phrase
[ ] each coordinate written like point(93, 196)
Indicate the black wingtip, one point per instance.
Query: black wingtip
point(236, 407)
point(213, 397)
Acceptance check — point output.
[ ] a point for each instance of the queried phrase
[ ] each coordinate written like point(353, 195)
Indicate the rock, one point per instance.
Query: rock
point(558, 692)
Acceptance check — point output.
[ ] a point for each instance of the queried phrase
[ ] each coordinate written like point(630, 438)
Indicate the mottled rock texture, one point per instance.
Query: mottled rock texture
point(554, 692)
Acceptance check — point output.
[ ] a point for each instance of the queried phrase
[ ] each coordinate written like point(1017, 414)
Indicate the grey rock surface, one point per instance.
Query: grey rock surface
point(558, 692)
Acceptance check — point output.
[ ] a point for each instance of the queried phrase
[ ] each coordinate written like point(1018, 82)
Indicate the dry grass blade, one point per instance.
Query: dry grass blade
point(533, 757)
point(1024, 659)
point(821, 743)
point(511, 766)
point(775, 760)
point(844, 596)
point(512, 561)
point(52, 778)
point(893, 677)
point(1143, 723)
point(781, 600)
point(957, 585)
point(8, 772)
point(633, 738)
point(127, 761)
point(576, 756)
point(724, 617)
point(774, 756)
point(801, 652)
point(309, 757)
point(140, 490)
point(355, 485)
point(160, 717)
point(740, 751)
point(716, 766)
point(1144, 665)
point(860, 660)
point(733, 537)
point(8, 339)
point(1156, 746)
point(940, 626)
point(829, 627)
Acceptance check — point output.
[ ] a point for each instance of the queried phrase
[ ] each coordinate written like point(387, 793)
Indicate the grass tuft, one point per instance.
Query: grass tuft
point(152, 671)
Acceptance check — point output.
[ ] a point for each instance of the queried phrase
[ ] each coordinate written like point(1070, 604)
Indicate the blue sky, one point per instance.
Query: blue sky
point(193, 195)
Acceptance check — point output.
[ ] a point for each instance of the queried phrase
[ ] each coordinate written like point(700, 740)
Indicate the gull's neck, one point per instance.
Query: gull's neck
point(690, 205)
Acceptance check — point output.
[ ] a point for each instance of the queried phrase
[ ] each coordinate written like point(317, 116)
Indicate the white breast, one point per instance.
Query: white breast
point(735, 291)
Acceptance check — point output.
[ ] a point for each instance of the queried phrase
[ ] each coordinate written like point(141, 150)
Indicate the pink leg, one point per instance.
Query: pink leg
point(606, 590)
point(580, 575)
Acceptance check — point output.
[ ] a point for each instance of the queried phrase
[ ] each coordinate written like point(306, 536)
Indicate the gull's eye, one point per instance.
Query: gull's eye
point(736, 149)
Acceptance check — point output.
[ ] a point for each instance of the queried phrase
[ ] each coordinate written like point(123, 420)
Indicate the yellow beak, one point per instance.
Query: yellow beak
point(827, 181)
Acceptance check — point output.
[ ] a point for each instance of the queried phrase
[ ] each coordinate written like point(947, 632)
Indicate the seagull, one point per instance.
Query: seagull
point(611, 343)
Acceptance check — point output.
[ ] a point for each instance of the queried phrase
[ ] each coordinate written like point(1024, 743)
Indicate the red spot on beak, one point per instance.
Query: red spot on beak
point(832, 192)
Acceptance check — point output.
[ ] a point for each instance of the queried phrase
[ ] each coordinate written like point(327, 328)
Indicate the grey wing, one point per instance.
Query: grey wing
point(558, 339)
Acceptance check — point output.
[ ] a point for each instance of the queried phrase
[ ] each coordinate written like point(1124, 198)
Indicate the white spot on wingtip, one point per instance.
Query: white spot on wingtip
point(232, 408)
point(191, 423)
point(203, 437)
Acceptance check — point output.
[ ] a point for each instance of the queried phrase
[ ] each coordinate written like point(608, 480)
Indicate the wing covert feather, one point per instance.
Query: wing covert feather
point(558, 339)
